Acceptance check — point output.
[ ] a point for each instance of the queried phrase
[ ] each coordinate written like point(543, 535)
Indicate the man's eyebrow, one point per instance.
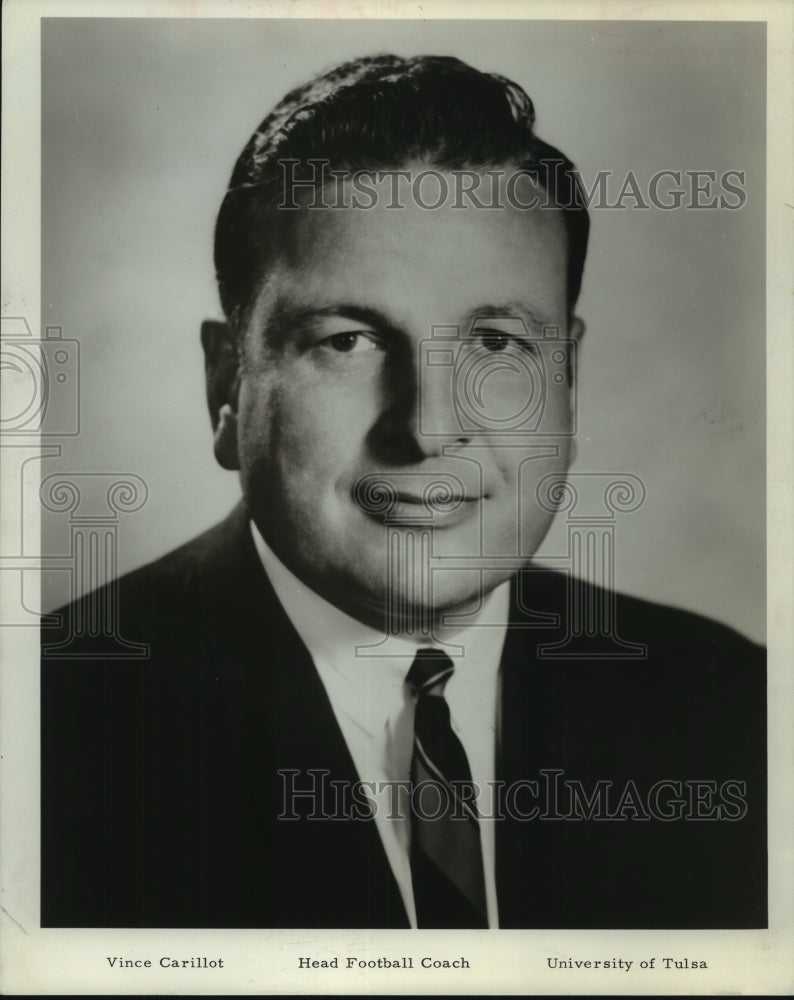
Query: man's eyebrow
point(515, 309)
point(290, 317)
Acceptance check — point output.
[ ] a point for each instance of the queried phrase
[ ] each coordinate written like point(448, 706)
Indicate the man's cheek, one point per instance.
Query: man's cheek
point(558, 414)
point(271, 428)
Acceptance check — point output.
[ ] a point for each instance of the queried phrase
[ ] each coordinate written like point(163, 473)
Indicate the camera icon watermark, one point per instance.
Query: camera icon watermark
point(42, 376)
point(497, 379)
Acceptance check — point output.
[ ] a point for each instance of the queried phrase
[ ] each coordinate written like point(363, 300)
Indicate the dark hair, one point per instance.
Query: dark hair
point(381, 112)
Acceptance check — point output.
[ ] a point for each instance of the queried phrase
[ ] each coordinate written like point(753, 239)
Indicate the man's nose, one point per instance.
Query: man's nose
point(434, 417)
point(421, 418)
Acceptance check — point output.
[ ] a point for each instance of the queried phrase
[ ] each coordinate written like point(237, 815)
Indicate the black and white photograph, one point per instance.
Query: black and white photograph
point(392, 432)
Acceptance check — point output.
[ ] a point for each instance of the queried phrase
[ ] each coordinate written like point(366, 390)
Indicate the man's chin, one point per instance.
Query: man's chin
point(415, 606)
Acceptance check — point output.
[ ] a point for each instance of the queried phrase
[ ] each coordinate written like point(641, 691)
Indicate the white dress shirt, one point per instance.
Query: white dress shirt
point(375, 708)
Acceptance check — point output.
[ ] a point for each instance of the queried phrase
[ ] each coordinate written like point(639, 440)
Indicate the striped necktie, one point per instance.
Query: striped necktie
point(446, 854)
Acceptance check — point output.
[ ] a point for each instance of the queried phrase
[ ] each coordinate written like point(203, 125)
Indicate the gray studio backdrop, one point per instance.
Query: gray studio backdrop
point(142, 121)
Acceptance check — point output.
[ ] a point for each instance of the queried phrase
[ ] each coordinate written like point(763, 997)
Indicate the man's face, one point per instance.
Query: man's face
point(342, 388)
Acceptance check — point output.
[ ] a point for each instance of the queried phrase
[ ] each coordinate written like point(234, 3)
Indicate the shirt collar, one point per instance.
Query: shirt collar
point(364, 664)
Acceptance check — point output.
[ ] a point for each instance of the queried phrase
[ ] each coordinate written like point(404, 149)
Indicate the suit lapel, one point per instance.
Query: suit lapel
point(526, 849)
point(268, 694)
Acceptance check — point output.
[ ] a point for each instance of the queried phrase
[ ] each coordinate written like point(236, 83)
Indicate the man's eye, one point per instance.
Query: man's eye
point(494, 341)
point(497, 341)
point(347, 342)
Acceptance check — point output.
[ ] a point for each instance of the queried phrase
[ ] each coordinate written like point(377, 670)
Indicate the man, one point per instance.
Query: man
point(361, 706)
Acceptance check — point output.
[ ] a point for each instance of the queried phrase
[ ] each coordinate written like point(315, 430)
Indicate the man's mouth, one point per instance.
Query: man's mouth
point(438, 511)
point(436, 502)
point(439, 500)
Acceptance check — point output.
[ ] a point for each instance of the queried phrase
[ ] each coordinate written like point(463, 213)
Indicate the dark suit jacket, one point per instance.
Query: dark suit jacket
point(161, 786)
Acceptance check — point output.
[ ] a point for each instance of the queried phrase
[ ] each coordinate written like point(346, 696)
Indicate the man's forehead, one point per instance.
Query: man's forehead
point(353, 245)
point(412, 265)
point(415, 196)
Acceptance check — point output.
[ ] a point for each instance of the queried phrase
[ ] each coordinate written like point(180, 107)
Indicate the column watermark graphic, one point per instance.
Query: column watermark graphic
point(41, 412)
point(94, 502)
point(590, 561)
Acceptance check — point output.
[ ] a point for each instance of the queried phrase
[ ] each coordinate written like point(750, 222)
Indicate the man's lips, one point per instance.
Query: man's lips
point(431, 498)
point(448, 501)
point(411, 509)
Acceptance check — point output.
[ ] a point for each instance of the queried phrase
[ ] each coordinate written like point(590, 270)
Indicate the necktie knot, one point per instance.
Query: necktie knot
point(430, 672)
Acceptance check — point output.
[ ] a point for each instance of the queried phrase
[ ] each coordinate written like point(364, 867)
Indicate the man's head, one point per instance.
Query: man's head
point(375, 341)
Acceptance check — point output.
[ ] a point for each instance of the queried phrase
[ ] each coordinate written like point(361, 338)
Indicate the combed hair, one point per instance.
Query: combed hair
point(379, 113)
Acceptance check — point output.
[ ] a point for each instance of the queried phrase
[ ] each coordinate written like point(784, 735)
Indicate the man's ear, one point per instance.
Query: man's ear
point(222, 372)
